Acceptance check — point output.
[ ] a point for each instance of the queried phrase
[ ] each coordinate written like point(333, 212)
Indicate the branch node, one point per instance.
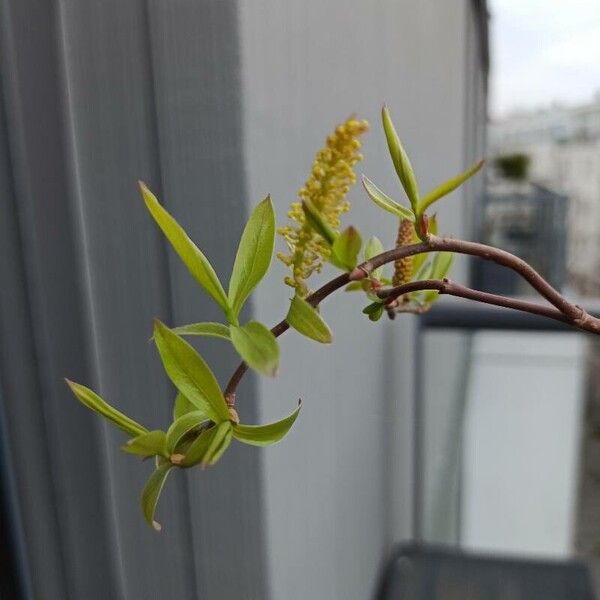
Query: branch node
point(361, 272)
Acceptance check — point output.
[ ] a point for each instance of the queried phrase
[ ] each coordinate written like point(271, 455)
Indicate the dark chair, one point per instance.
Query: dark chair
point(435, 573)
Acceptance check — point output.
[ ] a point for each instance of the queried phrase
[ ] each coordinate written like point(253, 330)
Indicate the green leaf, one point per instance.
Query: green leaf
point(265, 435)
point(257, 346)
point(317, 222)
point(90, 399)
point(152, 491)
point(182, 406)
point(448, 186)
point(209, 446)
point(307, 321)
point(424, 271)
point(374, 311)
point(442, 263)
point(253, 255)
point(183, 426)
point(345, 249)
point(189, 373)
point(373, 248)
point(419, 259)
point(220, 444)
point(152, 443)
point(356, 286)
point(384, 201)
point(372, 308)
point(400, 159)
point(197, 264)
point(212, 329)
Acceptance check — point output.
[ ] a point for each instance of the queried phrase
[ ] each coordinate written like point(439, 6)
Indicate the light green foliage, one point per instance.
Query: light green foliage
point(182, 426)
point(253, 255)
point(208, 329)
point(265, 435)
point(257, 346)
point(204, 423)
point(400, 159)
point(189, 373)
point(90, 399)
point(384, 201)
point(442, 262)
point(209, 446)
point(181, 406)
point(447, 187)
point(316, 220)
point(373, 247)
point(152, 443)
point(345, 249)
point(197, 264)
point(307, 321)
point(152, 492)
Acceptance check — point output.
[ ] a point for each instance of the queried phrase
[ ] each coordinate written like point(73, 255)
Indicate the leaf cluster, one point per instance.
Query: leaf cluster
point(204, 420)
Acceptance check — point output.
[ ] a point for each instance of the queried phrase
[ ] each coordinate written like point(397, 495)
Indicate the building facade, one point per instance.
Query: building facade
point(564, 147)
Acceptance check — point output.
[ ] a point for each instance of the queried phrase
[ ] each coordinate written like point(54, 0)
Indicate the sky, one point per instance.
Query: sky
point(543, 52)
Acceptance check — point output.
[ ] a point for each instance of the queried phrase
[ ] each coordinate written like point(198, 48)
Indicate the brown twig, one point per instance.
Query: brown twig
point(563, 310)
point(450, 288)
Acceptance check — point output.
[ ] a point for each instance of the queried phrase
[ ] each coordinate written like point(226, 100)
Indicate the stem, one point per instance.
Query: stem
point(449, 288)
point(563, 310)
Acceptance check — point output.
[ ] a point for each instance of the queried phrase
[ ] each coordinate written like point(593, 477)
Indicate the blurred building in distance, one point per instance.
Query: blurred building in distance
point(563, 145)
point(528, 220)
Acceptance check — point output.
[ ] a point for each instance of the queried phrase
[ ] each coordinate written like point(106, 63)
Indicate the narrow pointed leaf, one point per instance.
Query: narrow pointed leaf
point(152, 443)
point(90, 399)
point(448, 186)
point(374, 247)
point(253, 255)
point(317, 222)
point(189, 373)
point(257, 346)
point(307, 321)
point(210, 329)
point(193, 258)
point(384, 201)
point(208, 446)
point(182, 406)
point(219, 445)
point(265, 435)
point(441, 264)
point(152, 491)
point(440, 269)
point(400, 159)
point(345, 249)
point(183, 426)
point(424, 271)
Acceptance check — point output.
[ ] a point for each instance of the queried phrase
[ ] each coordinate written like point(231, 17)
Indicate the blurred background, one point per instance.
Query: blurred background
point(468, 429)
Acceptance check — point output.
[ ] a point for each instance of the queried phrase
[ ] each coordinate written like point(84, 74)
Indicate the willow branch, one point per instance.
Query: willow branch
point(450, 288)
point(561, 309)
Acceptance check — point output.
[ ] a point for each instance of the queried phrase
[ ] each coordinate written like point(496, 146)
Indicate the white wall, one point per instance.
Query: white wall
point(522, 443)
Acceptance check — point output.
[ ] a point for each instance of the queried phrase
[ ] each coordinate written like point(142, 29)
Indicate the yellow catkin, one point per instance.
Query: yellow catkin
point(330, 179)
point(403, 267)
